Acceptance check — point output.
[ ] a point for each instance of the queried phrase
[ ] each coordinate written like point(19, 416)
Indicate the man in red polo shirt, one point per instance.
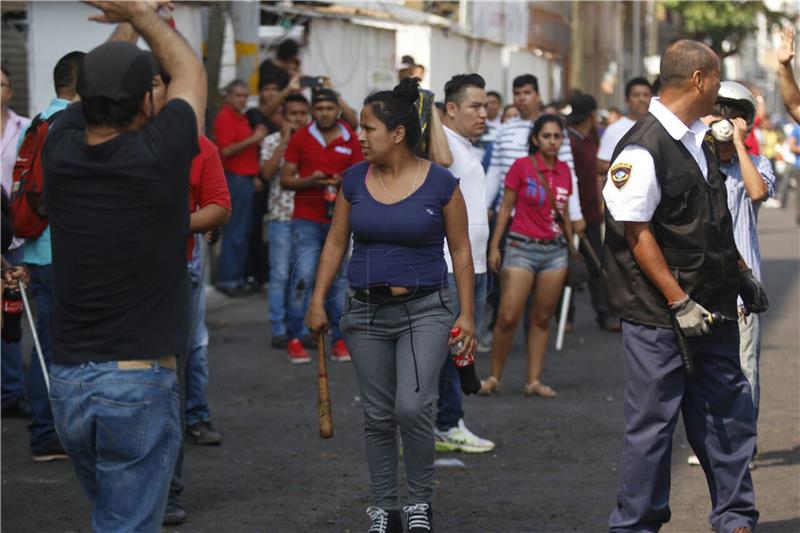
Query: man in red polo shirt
point(238, 143)
point(316, 157)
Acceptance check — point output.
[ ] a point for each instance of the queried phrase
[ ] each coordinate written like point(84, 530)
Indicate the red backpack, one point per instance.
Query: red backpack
point(28, 213)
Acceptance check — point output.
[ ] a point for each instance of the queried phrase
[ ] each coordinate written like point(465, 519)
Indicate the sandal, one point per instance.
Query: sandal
point(538, 389)
point(489, 386)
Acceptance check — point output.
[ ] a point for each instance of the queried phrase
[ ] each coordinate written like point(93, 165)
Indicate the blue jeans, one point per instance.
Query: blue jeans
point(449, 406)
point(41, 291)
point(236, 239)
point(197, 360)
point(122, 432)
point(307, 240)
point(280, 260)
point(13, 376)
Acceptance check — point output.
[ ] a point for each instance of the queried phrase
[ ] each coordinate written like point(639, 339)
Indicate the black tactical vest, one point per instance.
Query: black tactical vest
point(691, 224)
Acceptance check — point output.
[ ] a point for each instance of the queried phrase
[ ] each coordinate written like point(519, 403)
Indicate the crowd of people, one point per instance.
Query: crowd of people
point(416, 236)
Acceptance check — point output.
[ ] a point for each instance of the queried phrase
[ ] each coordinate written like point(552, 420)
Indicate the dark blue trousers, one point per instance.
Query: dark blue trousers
point(719, 417)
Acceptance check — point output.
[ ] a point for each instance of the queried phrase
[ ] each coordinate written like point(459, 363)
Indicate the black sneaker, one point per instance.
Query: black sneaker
point(384, 521)
point(280, 342)
point(175, 514)
point(203, 434)
point(50, 451)
point(17, 409)
point(419, 518)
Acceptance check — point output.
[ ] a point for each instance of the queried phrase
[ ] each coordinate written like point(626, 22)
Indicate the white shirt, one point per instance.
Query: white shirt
point(468, 169)
point(511, 144)
point(10, 141)
point(638, 196)
point(612, 135)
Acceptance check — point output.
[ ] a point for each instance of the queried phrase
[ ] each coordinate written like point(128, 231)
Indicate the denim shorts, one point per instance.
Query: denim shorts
point(536, 256)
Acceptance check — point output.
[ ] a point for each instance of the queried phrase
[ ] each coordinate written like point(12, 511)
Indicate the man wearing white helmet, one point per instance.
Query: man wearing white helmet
point(750, 181)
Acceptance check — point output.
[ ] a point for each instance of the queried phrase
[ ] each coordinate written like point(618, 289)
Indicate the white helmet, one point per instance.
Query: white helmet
point(731, 92)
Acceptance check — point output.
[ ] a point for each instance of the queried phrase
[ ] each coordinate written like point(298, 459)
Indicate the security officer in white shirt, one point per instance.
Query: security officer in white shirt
point(669, 261)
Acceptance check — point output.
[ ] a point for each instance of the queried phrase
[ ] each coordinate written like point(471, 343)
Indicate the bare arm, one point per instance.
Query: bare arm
point(271, 165)
point(235, 147)
point(754, 184)
point(456, 225)
point(348, 114)
point(170, 48)
point(124, 32)
point(329, 262)
point(276, 103)
point(439, 150)
point(503, 217)
point(649, 257)
point(789, 89)
point(291, 181)
point(208, 217)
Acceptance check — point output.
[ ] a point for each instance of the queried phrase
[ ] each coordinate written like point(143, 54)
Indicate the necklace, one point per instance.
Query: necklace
point(413, 185)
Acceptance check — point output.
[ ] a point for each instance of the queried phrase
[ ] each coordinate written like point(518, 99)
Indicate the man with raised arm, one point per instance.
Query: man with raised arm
point(117, 180)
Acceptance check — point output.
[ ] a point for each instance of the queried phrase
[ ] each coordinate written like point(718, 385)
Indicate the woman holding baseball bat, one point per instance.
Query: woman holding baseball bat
point(399, 208)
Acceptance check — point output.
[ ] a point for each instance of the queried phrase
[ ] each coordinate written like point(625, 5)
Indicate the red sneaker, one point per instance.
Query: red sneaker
point(297, 352)
point(339, 352)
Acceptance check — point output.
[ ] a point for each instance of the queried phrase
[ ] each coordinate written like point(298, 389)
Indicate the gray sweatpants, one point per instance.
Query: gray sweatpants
point(398, 350)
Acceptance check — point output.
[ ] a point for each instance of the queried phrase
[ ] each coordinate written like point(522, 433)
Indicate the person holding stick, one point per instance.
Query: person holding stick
point(399, 209)
point(537, 189)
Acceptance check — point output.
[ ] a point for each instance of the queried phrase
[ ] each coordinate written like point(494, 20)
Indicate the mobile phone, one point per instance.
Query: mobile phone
point(312, 82)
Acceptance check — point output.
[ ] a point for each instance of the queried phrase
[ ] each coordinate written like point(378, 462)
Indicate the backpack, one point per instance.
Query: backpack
point(28, 212)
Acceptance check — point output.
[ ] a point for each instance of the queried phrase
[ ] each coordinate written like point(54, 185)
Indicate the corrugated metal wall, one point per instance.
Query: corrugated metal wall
point(15, 54)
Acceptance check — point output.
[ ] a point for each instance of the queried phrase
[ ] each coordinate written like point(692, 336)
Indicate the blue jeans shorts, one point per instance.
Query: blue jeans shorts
point(535, 256)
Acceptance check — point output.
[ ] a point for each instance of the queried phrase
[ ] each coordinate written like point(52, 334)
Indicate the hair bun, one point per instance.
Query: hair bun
point(407, 89)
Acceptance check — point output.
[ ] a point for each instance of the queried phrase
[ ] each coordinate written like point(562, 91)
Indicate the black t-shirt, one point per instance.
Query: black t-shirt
point(119, 220)
point(256, 117)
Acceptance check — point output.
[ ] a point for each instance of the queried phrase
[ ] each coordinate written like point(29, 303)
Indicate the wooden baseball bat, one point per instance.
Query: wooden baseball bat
point(324, 397)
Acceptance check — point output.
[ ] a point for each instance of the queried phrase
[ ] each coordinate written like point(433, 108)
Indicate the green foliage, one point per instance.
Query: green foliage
point(715, 22)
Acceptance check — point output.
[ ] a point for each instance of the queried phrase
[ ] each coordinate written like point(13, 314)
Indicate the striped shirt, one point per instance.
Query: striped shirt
point(744, 212)
point(511, 144)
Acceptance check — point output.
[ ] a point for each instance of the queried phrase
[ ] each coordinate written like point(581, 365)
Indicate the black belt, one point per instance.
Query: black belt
point(560, 241)
point(382, 294)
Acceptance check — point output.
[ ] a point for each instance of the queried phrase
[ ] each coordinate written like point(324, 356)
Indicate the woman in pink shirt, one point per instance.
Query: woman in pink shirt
point(537, 251)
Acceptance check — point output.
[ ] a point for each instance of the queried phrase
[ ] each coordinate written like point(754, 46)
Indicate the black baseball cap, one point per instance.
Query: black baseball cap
point(582, 106)
point(321, 95)
point(115, 70)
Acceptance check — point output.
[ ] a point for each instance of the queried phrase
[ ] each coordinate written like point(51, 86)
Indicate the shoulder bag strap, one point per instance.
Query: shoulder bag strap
point(559, 218)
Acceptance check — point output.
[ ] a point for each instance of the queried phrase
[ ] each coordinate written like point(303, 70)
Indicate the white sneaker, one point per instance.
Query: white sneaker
point(461, 439)
point(693, 460)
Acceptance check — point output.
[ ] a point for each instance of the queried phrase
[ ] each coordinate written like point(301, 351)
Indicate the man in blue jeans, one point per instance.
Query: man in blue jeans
point(238, 143)
point(45, 445)
point(314, 161)
point(281, 205)
point(465, 119)
point(119, 219)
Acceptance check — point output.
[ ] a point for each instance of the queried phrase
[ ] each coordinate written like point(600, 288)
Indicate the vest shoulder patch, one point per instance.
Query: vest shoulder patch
point(620, 174)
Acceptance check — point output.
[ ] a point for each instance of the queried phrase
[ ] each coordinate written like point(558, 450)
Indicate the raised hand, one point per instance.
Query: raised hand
point(786, 48)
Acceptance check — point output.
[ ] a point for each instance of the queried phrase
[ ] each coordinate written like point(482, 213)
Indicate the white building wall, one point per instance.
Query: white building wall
point(359, 59)
point(524, 62)
point(455, 54)
point(56, 28)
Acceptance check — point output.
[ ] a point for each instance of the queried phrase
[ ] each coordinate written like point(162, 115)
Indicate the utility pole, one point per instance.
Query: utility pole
point(637, 37)
point(216, 36)
point(245, 17)
point(576, 49)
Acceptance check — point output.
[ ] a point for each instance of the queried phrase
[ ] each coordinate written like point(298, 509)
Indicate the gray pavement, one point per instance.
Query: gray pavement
point(554, 468)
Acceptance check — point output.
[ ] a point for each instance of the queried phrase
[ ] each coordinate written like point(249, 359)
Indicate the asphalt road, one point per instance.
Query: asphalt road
point(554, 468)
